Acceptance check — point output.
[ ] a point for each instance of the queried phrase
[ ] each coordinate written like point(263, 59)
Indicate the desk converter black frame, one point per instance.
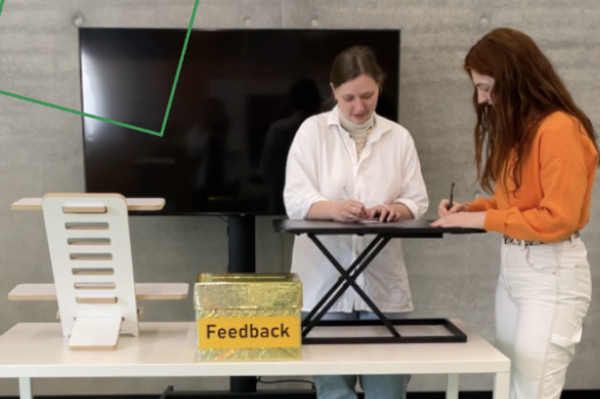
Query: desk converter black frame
point(383, 232)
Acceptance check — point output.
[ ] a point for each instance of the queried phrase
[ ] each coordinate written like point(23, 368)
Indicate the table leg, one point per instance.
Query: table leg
point(25, 388)
point(359, 260)
point(452, 389)
point(349, 282)
point(502, 385)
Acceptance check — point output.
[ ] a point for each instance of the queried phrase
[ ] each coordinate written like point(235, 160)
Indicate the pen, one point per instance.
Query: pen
point(451, 196)
point(349, 198)
point(347, 195)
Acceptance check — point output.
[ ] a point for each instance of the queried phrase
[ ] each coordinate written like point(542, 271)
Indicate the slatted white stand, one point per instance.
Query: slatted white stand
point(90, 252)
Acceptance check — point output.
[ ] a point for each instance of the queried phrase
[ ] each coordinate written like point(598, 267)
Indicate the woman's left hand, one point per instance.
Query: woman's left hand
point(473, 220)
point(383, 213)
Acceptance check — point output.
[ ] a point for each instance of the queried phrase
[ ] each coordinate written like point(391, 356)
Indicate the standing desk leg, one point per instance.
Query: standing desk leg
point(349, 282)
point(502, 385)
point(452, 389)
point(359, 260)
point(25, 388)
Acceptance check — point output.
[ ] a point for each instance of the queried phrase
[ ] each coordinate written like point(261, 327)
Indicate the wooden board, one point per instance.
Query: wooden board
point(143, 292)
point(133, 204)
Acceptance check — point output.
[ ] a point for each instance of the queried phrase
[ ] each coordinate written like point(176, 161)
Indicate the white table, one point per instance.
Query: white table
point(38, 350)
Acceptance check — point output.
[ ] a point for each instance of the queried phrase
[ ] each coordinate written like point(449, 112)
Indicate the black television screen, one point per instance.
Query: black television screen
point(217, 155)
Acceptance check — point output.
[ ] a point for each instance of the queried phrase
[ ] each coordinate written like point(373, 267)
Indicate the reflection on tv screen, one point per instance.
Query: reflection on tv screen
point(240, 98)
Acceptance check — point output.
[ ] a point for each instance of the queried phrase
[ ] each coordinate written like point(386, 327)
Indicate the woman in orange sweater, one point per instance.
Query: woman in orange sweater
point(538, 149)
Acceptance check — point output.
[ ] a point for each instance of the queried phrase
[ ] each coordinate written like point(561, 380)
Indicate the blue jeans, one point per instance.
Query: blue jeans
point(392, 386)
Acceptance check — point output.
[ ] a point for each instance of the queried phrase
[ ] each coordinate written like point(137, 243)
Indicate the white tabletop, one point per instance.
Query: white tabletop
point(168, 349)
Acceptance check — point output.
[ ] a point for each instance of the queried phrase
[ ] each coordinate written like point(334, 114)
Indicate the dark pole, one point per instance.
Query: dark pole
point(241, 234)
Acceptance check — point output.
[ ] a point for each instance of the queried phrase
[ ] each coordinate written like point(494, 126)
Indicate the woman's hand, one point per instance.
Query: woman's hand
point(383, 213)
point(474, 220)
point(456, 207)
point(351, 211)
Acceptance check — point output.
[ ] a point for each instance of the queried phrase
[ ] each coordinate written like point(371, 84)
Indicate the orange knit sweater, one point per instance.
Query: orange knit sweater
point(556, 187)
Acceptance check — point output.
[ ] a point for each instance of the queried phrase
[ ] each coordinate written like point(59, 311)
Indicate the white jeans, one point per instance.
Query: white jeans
point(542, 296)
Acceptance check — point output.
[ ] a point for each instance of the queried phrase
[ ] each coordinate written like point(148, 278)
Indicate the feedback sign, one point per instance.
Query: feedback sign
point(251, 332)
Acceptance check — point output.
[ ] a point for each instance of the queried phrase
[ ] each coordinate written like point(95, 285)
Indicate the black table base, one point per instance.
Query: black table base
point(383, 232)
point(455, 334)
point(347, 279)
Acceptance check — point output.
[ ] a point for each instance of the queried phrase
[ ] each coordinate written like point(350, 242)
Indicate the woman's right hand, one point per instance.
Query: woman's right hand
point(351, 211)
point(456, 207)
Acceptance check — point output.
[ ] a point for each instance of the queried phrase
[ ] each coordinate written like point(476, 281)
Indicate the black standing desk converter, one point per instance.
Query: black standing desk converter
point(383, 232)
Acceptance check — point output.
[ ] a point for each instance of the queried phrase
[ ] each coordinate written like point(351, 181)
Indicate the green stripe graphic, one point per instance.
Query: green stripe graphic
point(139, 129)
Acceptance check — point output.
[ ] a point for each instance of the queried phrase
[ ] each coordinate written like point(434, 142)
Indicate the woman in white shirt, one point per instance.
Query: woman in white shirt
point(346, 165)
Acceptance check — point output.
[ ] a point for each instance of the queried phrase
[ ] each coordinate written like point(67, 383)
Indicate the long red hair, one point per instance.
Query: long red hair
point(526, 90)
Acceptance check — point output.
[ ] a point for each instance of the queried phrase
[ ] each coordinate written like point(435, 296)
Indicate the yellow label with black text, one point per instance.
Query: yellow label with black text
point(249, 332)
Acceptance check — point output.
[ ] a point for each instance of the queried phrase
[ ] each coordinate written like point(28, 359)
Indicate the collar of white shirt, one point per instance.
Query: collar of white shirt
point(382, 125)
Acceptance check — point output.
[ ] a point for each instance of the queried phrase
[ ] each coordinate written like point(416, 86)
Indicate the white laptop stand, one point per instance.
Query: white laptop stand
point(90, 252)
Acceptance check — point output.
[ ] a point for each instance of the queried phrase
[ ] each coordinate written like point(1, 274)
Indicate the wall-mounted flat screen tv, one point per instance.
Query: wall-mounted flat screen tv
point(240, 98)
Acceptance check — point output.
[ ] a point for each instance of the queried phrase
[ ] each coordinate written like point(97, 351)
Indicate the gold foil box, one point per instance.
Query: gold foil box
point(248, 317)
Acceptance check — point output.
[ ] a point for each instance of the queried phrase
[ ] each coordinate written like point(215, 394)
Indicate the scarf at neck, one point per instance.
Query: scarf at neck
point(358, 132)
point(352, 127)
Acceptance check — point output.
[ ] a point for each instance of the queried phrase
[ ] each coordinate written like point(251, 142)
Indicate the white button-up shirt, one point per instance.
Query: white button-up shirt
point(321, 162)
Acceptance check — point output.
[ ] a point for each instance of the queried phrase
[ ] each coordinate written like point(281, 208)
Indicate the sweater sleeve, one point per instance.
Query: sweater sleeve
point(483, 204)
point(564, 183)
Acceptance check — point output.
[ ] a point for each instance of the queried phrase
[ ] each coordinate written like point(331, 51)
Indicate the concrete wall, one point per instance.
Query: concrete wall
point(41, 149)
